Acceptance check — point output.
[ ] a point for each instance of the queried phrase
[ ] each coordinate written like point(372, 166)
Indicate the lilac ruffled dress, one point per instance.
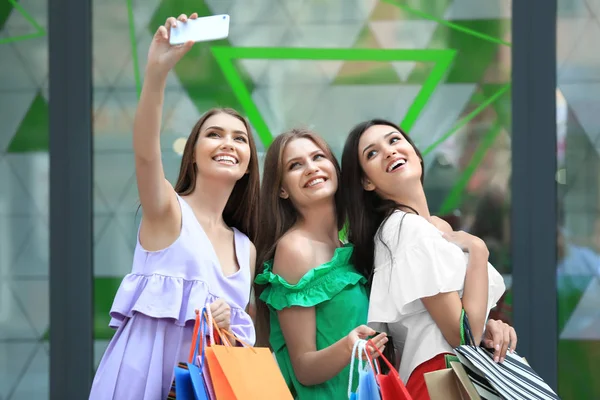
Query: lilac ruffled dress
point(153, 311)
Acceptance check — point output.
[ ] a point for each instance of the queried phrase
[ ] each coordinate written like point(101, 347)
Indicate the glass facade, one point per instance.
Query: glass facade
point(578, 180)
point(441, 69)
point(24, 225)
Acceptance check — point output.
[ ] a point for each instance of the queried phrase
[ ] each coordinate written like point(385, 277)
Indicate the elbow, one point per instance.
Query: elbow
point(304, 380)
point(303, 374)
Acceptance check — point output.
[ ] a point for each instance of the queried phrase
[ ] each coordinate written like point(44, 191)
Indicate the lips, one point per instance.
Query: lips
point(315, 181)
point(395, 164)
point(226, 159)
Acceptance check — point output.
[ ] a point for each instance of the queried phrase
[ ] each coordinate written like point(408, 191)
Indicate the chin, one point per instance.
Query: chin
point(323, 196)
point(233, 173)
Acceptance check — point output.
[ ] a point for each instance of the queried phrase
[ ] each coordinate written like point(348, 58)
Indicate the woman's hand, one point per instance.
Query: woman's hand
point(500, 336)
point(221, 314)
point(162, 57)
point(363, 332)
point(466, 241)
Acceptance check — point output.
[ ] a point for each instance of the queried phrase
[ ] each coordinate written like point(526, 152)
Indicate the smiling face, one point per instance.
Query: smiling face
point(222, 149)
point(309, 176)
point(390, 164)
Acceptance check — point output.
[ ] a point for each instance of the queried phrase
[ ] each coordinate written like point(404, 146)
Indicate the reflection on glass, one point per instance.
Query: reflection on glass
point(24, 162)
point(578, 183)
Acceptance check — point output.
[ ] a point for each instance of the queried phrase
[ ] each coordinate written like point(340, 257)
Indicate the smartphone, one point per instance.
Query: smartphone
point(203, 29)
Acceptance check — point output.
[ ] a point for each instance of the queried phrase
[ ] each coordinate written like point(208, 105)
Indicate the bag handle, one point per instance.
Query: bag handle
point(353, 355)
point(234, 337)
point(390, 366)
point(466, 334)
point(213, 328)
point(374, 363)
point(197, 336)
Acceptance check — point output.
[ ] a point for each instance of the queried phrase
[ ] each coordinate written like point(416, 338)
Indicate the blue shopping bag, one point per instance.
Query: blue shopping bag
point(367, 389)
point(189, 382)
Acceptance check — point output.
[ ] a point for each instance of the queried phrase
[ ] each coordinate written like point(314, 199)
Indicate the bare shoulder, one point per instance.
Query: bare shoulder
point(441, 224)
point(294, 256)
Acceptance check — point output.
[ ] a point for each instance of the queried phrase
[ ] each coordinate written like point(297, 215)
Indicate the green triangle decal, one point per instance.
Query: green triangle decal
point(32, 134)
point(5, 8)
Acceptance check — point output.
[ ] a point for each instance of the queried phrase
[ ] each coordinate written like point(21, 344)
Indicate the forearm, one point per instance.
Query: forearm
point(475, 294)
point(148, 119)
point(315, 367)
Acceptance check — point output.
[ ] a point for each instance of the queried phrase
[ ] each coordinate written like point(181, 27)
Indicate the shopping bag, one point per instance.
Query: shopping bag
point(367, 388)
point(453, 383)
point(512, 379)
point(189, 384)
point(391, 386)
point(214, 338)
point(244, 373)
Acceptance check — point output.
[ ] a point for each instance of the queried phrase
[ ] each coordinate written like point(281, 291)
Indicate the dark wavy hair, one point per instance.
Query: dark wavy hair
point(279, 215)
point(366, 211)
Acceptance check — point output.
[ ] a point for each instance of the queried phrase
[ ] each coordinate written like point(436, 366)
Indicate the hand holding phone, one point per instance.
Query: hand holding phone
point(162, 56)
point(203, 29)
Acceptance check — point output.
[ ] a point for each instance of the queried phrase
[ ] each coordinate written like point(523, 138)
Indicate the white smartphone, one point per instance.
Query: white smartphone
point(203, 29)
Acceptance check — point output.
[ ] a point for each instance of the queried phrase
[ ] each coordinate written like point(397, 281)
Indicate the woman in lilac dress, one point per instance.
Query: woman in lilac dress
point(193, 246)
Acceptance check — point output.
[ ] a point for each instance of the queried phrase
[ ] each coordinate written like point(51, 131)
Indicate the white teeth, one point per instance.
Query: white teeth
point(315, 182)
point(228, 159)
point(396, 163)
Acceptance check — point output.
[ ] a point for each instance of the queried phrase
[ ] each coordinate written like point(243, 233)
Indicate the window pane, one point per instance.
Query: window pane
point(578, 178)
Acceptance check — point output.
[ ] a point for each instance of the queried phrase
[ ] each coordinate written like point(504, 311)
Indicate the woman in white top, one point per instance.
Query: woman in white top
point(423, 275)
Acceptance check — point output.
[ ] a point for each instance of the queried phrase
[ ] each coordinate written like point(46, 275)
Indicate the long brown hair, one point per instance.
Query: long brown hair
point(279, 215)
point(366, 210)
point(241, 210)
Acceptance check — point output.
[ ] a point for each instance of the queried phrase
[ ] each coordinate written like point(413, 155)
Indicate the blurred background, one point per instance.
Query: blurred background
point(441, 68)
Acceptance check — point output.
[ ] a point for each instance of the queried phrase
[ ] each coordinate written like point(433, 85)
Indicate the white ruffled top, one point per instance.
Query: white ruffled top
point(417, 262)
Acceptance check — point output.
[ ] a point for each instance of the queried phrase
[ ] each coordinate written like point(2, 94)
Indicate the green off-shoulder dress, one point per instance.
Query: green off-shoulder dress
point(337, 292)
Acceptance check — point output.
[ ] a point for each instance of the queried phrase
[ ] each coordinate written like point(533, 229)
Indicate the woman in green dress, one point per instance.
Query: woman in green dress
point(311, 302)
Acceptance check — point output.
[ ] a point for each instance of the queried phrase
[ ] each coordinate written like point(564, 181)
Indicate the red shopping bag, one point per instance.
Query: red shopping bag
point(390, 385)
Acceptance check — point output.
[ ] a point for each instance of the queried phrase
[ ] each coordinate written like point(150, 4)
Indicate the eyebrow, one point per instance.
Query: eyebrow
point(373, 144)
point(297, 158)
point(218, 128)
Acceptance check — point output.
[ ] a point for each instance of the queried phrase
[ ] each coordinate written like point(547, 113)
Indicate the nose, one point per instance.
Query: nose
point(390, 152)
point(311, 167)
point(227, 143)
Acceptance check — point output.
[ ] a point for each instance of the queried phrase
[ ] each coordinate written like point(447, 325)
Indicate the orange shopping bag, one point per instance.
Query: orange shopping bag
point(245, 373)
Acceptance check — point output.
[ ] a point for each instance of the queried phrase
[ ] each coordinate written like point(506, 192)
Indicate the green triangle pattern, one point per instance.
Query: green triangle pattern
point(198, 70)
point(32, 134)
point(366, 72)
point(502, 106)
point(5, 9)
point(474, 55)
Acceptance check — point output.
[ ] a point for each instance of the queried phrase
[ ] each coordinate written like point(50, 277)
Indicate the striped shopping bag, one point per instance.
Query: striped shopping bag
point(512, 379)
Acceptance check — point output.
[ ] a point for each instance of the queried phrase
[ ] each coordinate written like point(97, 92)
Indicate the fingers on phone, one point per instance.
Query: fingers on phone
point(170, 23)
point(194, 16)
point(182, 18)
point(163, 32)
